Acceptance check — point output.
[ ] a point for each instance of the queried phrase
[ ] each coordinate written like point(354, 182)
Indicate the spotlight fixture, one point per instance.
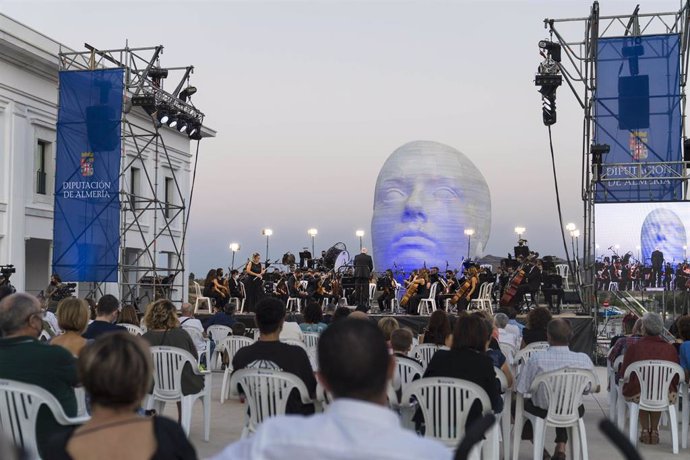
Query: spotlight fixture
point(163, 116)
point(598, 151)
point(172, 121)
point(548, 79)
point(182, 123)
point(158, 73)
point(187, 92)
point(194, 130)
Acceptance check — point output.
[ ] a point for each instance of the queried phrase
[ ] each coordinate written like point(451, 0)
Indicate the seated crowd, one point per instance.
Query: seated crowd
point(357, 361)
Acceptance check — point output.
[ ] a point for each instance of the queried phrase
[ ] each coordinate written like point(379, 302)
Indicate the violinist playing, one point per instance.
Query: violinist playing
point(387, 284)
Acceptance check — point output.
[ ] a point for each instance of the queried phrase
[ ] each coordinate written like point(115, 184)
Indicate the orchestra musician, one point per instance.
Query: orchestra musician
point(468, 287)
point(364, 265)
point(215, 290)
point(532, 281)
point(449, 288)
point(421, 280)
point(254, 287)
point(235, 287)
point(387, 284)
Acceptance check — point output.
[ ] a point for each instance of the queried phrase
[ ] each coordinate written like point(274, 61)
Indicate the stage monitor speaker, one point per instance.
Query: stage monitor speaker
point(633, 102)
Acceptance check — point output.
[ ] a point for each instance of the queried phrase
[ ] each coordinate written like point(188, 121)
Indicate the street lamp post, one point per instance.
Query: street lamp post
point(360, 234)
point(268, 232)
point(234, 247)
point(312, 232)
point(519, 231)
point(469, 232)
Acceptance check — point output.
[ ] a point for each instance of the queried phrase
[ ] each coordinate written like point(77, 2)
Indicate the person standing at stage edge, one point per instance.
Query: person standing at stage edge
point(364, 265)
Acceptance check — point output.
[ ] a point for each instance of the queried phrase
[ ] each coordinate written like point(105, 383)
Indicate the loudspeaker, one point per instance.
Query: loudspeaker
point(633, 102)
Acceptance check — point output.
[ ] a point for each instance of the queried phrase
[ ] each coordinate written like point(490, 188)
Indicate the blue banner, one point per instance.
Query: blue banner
point(86, 232)
point(637, 113)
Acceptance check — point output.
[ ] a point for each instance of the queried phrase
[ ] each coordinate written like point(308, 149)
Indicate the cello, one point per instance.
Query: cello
point(508, 296)
point(466, 287)
point(412, 288)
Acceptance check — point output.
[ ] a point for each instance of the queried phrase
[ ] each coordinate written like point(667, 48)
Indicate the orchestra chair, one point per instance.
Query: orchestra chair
point(483, 301)
point(132, 329)
point(293, 304)
point(504, 416)
point(201, 299)
point(239, 303)
point(266, 393)
point(445, 404)
point(168, 363)
point(372, 293)
point(613, 286)
point(428, 305)
point(564, 271)
point(19, 406)
point(565, 389)
point(230, 345)
point(655, 378)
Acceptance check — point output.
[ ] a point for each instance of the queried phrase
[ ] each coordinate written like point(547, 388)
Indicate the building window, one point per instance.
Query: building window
point(42, 150)
point(134, 177)
point(169, 184)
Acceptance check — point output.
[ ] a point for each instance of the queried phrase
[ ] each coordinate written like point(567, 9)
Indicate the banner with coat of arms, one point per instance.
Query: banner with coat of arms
point(86, 232)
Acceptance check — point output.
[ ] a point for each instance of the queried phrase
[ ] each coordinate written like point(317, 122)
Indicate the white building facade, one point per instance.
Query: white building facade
point(28, 117)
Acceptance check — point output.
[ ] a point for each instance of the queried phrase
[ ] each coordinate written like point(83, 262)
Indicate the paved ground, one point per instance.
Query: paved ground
point(227, 420)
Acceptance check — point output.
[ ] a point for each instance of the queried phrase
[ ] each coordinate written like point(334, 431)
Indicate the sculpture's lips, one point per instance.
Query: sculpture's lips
point(412, 239)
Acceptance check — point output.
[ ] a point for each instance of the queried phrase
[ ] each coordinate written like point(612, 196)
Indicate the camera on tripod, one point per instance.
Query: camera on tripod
point(5, 273)
point(64, 291)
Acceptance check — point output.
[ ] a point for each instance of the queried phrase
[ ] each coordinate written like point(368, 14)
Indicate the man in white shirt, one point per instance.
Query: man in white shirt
point(291, 331)
point(506, 334)
point(355, 366)
point(557, 357)
point(189, 323)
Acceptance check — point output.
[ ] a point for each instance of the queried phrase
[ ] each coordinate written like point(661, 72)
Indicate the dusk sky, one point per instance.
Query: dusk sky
point(309, 99)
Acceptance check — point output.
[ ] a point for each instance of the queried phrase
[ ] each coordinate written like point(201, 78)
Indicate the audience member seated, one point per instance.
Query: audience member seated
point(401, 343)
point(684, 332)
point(557, 357)
point(117, 372)
point(50, 322)
point(73, 317)
point(358, 314)
point(163, 329)
point(106, 314)
point(633, 334)
point(506, 335)
point(514, 325)
point(328, 316)
point(355, 366)
point(437, 331)
point(239, 329)
point(535, 331)
point(388, 324)
point(340, 314)
point(627, 322)
point(466, 360)
point(313, 319)
point(27, 360)
point(189, 322)
point(269, 353)
point(291, 331)
point(222, 316)
point(650, 346)
point(128, 315)
point(494, 352)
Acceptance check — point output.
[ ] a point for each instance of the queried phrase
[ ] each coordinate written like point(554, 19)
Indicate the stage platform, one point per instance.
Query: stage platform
point(583, 326)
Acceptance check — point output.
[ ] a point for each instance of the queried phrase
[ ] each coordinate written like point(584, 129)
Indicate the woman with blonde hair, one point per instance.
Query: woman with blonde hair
point(116, 371)
point(73, 318)
point(388, 324)
point(163, 328)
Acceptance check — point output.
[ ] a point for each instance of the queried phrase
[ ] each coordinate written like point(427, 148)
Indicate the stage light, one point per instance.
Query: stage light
point(570, 227)
point(312, 232)
point(163, 116)
point(598, 151)
point(469, 232)
point(359, 233)
point(146, 102)
point(158, 73)
point(194, 130)
point(576, 233)
point(234, 247)
point(520, 231)
point(267, 232)
point(187, 92)
point(182, 123)
point(172, 122)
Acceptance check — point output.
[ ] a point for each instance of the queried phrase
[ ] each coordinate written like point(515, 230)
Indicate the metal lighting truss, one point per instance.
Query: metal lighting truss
point(142, 137)
point(578, 67)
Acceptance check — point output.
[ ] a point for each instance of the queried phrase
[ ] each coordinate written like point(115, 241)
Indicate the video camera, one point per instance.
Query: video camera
point(64, 291)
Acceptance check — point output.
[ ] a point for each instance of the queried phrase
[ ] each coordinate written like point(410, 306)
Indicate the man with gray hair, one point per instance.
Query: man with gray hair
point(25, 359)
point(193, 327)
point(505, 335)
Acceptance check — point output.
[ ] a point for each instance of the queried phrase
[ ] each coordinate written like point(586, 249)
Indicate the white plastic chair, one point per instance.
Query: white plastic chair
point(563, 271)
point(198, 338)
point(19, 405)
point(477, 303)
point(684, 394)
point(508, 351)
point(504, 416)
point(311, 340)
point(293, 304)
point(217, 332)
point(168, 363)
point(483, 302)
point(522, 356)
point(266, 393)
point(424, 352)
point(80, 396)
point(565, 389)
point(132, 329)
point(655, 378)
point(230, 345)
point(372, 293)
point(323, 398)
point(611, 371)
point(426, 306)
point(395, 301)
point(201, 299)
point(44, 336)
point(406, 371)
point(445, 404)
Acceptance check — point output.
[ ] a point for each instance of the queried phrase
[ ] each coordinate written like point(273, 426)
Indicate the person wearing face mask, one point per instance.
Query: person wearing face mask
point(25, 359)
point(235, 286)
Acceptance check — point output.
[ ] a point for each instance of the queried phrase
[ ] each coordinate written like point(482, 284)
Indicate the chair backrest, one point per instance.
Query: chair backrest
point(218, 332)
point(132, 329)
point(197, 289)
point(508, 351)
point(168, 363)
point(432, 291)
point(424, 352)
point(655, 378)
point(562, 270)
point(266, 392)
point(311, 340)
point(19, 405)
point(445, 405)
point(323, 397)
point(231, 344)
point(372, 290)
point(44, 336)
point(502, 379)
point(295, 342)
point(406, 371)
point(522, 356)
point(564, 388)
point(487, 291)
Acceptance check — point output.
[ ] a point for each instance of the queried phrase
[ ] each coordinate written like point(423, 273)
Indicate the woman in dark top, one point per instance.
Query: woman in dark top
point(116, 371)
point(535, 331)
point(214, 290)
point(466, 360)
point(437, 332)
point(254, 285)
